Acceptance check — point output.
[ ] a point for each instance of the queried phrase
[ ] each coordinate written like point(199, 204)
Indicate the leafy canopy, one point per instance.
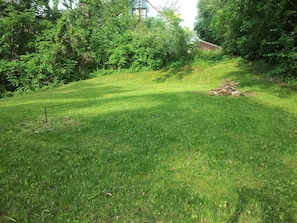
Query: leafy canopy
point(256, 30)
point(43, 46)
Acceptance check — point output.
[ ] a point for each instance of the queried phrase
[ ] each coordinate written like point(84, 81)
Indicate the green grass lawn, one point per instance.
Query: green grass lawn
point(151, 147)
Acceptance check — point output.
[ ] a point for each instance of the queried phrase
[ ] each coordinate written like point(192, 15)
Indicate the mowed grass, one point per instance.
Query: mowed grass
point(151, 147)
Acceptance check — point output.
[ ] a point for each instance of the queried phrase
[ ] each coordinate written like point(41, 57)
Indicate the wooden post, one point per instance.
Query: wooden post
point(45, 114)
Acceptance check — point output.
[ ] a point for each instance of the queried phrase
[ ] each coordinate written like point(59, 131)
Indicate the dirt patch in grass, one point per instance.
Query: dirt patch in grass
point(39, 126)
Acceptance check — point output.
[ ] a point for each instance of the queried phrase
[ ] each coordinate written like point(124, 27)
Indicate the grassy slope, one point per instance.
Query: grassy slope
point(151, 147)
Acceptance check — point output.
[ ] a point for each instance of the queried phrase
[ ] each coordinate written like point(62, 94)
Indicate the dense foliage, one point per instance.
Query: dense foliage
point(206, 11)
point(256, 30)
point(42, 45)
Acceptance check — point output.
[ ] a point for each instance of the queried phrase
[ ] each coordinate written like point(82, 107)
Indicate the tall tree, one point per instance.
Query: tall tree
point(42, 45)
point(16, 29)
point(207, 10)
point(255, 30)
point(259, 29)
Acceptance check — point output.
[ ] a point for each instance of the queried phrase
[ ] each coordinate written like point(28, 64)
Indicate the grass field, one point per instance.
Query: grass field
point(151, 147)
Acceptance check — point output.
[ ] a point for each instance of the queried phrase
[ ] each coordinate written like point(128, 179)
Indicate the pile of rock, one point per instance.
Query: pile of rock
point(228, 88)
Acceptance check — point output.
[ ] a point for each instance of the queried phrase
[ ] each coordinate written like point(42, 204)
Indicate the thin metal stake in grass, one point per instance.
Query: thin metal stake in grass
point(45, 114)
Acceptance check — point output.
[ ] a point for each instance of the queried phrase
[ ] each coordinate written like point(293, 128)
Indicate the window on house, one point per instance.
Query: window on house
point(140, 12)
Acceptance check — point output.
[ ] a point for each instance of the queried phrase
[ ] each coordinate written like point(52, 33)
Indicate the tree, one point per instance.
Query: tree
point(16, 30)
point(256, 30)
point(42, 45)
point(170, 11)
point(20, 23)
point(207, 10)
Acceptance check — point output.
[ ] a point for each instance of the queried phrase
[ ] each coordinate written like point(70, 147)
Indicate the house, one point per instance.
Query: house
point(143, 9)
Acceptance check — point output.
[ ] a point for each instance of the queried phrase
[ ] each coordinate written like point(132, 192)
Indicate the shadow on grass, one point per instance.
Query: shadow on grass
point(65, 99)
point(114, 165)
point(252, 75)
point(177, 72)
point(272, 208)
